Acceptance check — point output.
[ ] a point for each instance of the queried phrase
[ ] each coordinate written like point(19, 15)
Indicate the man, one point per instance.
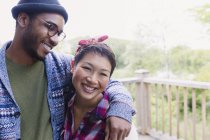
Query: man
point(34, 80)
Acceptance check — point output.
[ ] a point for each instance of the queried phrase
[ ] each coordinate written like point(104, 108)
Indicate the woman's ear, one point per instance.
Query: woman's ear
point(72, 66)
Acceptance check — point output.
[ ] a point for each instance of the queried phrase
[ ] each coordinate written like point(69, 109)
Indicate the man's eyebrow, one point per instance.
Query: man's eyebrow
point(50, 22)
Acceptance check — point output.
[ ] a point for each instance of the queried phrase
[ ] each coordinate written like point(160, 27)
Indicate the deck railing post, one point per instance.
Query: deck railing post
point(143, 103)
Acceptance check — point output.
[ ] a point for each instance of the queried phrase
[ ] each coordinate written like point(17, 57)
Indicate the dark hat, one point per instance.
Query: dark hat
point(39, 6)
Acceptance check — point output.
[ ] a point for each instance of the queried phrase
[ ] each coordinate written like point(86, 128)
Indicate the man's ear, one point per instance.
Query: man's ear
point(23, 19)
point(72, 66)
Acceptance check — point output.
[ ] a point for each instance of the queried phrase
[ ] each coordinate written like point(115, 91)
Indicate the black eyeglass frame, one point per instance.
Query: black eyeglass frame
point(53, 29)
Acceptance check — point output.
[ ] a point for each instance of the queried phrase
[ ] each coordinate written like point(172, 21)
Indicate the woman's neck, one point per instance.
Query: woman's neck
point(81, 107)
point(87, 105)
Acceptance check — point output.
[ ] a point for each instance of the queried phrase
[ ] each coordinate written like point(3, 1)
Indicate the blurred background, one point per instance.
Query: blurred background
point(168, 38)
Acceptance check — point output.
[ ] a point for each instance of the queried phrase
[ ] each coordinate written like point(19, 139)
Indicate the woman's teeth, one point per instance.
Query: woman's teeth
point(89, 89)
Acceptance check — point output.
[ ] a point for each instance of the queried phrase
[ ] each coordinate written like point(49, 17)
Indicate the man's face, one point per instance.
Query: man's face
point(38, 39)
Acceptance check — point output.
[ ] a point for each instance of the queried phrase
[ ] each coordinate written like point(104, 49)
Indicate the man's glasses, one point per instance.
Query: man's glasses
point(53, 30)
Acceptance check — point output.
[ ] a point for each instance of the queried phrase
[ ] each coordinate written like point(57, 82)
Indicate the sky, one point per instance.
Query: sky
point(168, 20)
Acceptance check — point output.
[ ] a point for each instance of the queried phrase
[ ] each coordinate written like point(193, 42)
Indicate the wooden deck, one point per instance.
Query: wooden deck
point(145, 137)
point(135, 136)
point(159, 102)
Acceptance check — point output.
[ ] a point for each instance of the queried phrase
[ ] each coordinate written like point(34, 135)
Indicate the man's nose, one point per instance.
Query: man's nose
point(54, 40)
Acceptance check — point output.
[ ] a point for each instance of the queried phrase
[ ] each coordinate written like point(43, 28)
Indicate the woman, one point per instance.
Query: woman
point(92, 68)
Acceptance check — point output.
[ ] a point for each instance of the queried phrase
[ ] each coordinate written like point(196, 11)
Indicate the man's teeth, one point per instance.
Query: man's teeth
point(46, 47)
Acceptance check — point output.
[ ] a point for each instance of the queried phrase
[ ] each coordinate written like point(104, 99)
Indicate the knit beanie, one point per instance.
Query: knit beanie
point(39, 6)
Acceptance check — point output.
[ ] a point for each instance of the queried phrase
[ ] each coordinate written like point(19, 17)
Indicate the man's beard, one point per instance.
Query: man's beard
point(30, 43)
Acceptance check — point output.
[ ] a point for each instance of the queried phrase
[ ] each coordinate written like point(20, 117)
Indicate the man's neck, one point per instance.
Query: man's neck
point(19, 56)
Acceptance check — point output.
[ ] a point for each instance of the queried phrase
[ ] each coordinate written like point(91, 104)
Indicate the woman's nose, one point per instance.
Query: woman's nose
point(92, 78)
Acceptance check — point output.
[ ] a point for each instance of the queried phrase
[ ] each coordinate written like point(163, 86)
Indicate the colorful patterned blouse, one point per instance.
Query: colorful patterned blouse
point(93, 124)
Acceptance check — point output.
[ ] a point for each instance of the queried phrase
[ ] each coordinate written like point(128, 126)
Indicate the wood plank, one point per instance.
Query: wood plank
point(203, 116)
point(194, 113)
point(177, 112)
point(163, 109)
point(185, 113)
point(169, 110)
point(156, 107)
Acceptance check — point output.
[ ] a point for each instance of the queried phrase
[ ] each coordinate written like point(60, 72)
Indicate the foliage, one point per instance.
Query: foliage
point(133, 56)
point(188, 61)
point(202, 13)
point(118, 47)
point(203, 73)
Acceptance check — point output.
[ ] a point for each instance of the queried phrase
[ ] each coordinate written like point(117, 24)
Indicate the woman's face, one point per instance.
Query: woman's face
point(90, 76)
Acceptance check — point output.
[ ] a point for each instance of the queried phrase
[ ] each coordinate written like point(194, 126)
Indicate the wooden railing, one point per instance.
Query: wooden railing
point(171, 109)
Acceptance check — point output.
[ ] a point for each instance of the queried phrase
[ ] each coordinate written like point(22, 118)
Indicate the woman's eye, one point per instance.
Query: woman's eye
point(104, 74)
point(87, 68)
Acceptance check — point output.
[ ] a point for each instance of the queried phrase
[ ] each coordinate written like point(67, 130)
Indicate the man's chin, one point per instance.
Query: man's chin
point(39, 58)
point(41, 55)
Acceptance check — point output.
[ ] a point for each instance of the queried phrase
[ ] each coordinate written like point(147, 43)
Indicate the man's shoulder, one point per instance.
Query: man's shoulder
point(59, 56)
point(57, 67)
point(3, 47)
point(54, 57)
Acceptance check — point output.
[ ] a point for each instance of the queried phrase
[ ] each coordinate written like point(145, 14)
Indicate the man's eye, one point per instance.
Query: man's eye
point(51, 27)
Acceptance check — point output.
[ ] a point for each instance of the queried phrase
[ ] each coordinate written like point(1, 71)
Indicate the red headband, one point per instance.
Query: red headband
point(92, 41)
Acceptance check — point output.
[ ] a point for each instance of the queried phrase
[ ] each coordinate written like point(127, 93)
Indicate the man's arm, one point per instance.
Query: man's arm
point(120, 100)
point(120, 112)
